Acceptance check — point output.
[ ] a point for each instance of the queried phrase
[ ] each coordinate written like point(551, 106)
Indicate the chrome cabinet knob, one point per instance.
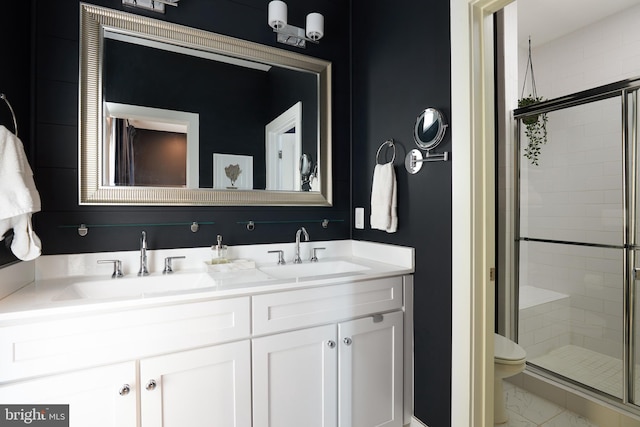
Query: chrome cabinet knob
point(347, 341)
point(124, 390)
point(151, 385)
point(331, 344)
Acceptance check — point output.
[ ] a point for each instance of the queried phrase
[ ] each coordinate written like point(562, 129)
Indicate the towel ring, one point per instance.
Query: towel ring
point(13, 115)
point(392, 145)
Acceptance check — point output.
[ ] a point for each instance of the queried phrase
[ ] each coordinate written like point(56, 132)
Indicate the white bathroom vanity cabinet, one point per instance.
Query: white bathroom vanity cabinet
point(314, 353)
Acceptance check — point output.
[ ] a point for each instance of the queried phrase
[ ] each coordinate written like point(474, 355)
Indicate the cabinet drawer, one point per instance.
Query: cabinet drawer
point(58, 345)
point(294, 309)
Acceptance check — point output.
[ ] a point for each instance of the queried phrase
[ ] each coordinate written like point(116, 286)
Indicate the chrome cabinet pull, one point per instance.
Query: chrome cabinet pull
point(151, 385)
point(124, 390)
point(347, 341)
point(331, 344)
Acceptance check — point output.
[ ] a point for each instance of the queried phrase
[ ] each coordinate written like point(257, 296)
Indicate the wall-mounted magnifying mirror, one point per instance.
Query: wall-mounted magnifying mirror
point(430, 129)
point(428, 133)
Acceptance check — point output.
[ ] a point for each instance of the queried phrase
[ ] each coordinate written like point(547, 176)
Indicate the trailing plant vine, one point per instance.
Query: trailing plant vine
point(535, 125)
point(535, 130)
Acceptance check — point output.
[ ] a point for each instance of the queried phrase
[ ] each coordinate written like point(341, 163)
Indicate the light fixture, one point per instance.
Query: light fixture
point(155, 5)
point(290, 34)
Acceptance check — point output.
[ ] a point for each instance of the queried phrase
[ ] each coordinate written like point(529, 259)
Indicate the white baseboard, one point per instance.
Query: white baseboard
point(416, 423)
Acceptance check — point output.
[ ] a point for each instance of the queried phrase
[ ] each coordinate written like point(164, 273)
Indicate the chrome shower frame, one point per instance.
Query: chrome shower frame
point(628, 91)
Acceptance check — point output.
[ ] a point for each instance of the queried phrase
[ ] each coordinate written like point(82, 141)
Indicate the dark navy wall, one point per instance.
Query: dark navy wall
point(15, 82)
point(401, 65)
point(400, 60)
point(56, 141)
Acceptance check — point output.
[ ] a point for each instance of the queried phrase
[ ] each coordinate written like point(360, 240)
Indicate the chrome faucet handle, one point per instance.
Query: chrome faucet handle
point(314, 258)
point(117, 267)
point(168, 268)
point(280, 256)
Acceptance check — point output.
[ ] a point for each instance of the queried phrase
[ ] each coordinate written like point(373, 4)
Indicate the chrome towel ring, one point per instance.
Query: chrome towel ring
point(391, 144)
point(15, 122)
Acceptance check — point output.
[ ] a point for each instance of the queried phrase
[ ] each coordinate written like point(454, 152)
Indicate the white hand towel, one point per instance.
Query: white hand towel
point(19, 197)
point(26, 244)
point(383, 199)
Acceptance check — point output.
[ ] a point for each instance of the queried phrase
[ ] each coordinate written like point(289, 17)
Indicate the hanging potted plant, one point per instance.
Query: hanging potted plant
point(535, 125)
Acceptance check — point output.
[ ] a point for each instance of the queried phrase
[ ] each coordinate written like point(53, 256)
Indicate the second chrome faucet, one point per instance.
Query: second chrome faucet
point(143, 271)
point(297, 259)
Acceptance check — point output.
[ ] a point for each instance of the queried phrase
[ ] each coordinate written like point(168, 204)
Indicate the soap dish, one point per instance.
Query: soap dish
point(232, 265)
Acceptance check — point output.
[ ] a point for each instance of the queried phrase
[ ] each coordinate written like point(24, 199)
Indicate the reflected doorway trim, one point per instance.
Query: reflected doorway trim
point(188, 123)
point(292, 118)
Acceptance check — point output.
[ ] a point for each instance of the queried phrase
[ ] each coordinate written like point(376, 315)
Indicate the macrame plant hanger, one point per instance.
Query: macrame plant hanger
point(535, 125)
point(534, 91)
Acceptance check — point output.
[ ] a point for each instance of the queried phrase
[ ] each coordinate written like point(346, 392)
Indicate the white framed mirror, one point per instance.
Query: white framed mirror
point(104, 30)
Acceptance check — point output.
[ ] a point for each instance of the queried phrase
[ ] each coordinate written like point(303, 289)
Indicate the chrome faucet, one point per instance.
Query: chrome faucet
point(297, 259)
point(143, 255)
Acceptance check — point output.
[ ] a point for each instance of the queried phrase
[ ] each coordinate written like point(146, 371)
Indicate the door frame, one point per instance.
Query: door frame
point(291, 118)
point(473, 210)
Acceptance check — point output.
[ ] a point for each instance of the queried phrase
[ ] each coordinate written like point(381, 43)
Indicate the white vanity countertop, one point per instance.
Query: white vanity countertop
point(47, 295)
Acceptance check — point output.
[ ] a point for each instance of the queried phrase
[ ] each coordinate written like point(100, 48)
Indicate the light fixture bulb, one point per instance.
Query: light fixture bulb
point(277, 14)
point(315, 26)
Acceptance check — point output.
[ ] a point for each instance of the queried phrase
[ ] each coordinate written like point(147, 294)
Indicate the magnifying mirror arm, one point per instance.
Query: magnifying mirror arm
point(413, 161)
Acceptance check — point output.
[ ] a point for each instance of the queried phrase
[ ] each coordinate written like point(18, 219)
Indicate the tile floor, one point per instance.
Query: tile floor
point(597, 370)
point(528, 410)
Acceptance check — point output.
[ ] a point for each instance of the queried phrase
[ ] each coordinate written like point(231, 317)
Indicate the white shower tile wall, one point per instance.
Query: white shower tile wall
point(604, 52)
point(575, 194)
point(592, 279)
point(545, 326)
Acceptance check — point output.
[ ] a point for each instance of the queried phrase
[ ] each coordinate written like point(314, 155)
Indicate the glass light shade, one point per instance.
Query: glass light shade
point(315, 26)
point(277, 14)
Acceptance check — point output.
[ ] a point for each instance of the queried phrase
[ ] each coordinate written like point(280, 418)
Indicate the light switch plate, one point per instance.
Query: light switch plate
point(360, 218)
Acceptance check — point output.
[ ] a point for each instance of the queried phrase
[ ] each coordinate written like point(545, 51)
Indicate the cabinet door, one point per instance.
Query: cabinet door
point(371, 371)
point(96, 397)
point(295, 379)
point(203, 387)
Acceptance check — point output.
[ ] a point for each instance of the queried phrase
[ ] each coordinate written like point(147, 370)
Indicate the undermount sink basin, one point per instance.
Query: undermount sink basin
point(134, 286)
point(313, 269)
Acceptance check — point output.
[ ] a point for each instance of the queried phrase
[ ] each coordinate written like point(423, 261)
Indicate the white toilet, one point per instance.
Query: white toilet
point(509, 359)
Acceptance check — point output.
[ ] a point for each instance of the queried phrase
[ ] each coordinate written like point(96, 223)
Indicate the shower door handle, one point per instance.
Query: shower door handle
point(636, 273)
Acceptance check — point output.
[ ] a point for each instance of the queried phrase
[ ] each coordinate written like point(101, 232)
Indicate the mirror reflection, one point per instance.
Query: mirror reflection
point(150, 147)
point(236, 104)
point(173, 115)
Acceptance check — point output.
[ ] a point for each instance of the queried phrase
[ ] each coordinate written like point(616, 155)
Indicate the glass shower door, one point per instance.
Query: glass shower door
point(632, 333)
point(572, 247)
